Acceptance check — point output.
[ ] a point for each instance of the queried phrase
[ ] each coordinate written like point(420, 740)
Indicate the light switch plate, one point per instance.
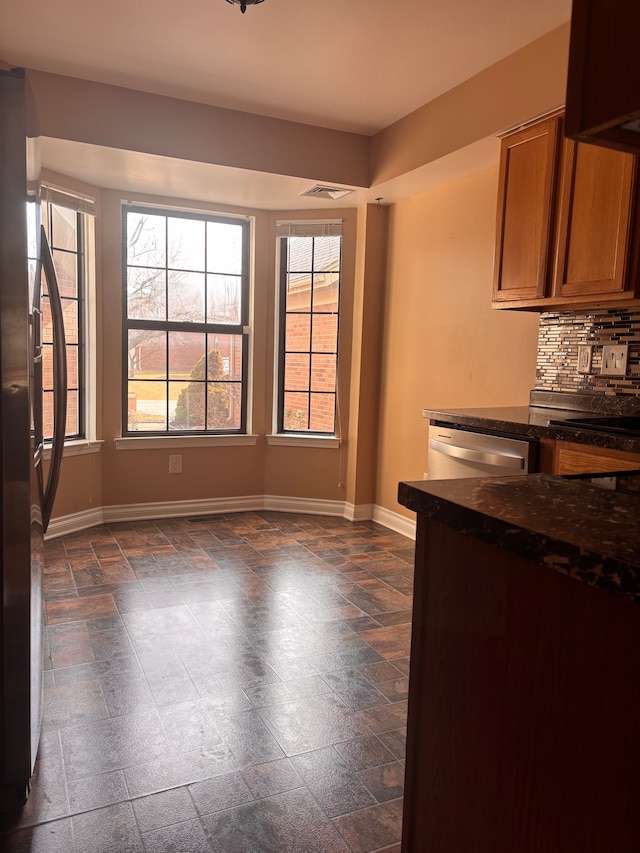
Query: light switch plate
point(614, 360)
point(585, 353)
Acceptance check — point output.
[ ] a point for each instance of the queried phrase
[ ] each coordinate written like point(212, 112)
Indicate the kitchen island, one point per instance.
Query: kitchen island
point(524, 695)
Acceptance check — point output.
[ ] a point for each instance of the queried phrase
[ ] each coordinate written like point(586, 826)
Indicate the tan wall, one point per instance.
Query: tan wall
point(526, 83)
point(530, 81)
point(80, 485)
point(444, 345)
point(368, 326)
point(96, 113)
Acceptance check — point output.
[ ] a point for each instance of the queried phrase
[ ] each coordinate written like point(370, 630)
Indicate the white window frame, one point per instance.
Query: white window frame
point(304, 228)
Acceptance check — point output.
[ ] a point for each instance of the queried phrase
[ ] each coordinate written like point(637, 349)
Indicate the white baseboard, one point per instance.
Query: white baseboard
point(358, 512)
point(218, 506)
point(394, 521)
point(75, 522)
point(175, 509)
point(307, 506)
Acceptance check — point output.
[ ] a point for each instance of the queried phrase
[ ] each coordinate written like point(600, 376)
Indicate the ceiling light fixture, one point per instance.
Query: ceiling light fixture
point(244, 3)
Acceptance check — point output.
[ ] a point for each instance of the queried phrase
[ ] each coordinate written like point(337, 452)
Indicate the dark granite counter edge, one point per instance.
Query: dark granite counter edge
point(590, 567)
point(604, 440)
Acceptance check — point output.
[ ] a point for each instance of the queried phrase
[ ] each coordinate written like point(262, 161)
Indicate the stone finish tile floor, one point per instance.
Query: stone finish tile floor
point(222, 684)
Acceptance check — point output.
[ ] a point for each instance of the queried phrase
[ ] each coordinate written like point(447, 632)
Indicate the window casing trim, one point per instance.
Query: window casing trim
point(172, 442)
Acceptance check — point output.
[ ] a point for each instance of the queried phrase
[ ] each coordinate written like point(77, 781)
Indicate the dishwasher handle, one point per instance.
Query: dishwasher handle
point(503, 459)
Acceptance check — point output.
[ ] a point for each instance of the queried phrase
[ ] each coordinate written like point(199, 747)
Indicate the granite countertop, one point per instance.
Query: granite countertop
point(531, 421)
point(569, 525)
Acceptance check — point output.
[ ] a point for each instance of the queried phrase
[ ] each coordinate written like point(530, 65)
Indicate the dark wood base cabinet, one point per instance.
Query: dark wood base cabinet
point(524, 707)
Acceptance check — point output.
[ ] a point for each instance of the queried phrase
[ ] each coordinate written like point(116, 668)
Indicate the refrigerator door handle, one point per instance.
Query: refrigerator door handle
point(36, 314)
point(59, 380)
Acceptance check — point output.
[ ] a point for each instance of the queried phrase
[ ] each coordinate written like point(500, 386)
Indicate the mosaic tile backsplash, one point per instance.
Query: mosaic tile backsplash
point(558, 341)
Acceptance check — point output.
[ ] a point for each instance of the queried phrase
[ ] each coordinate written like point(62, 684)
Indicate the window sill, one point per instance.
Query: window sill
point(329, 442)
point(159, 442)
point(75, 448)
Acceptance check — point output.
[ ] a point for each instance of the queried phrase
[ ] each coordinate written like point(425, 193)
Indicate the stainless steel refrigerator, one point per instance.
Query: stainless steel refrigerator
point(27, 494)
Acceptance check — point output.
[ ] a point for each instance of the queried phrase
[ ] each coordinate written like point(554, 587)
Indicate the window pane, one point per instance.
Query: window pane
point(296, 372)
point(296, 409)
point(325, 333)
point(72, 426)
point(326, 253)
point(323, 373)
point(186, 297)
point(66, 264)
point(146, 294)
point(63, 228)
point(298, 297)
point(229, 353)
point(298, 333)
point(72, 367)
point(147, 406)
point(224, 248)
point(186, 244)
point(300, 254)
point(326, 292)
point(47, 324)
point(73, 412)
point(186, 355)
point(70, 317)
point(47, 367)
point(322, 417)
point(224, 299)
point(309, 361)
point(224, 405)
point(147, 352)
point(146, 240)
point(186, 405)
point(47, 414)
point(194, 286)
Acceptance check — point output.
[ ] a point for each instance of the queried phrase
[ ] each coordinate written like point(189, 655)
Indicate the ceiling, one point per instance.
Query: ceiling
point(354, 65)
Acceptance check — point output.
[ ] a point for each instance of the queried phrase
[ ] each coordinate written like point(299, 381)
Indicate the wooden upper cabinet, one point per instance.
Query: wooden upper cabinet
point(594, 222)
point(527, 186)
point(603, 83)
point(566, 222)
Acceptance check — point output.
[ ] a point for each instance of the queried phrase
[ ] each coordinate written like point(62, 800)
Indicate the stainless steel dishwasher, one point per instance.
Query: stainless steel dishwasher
point(456, 453)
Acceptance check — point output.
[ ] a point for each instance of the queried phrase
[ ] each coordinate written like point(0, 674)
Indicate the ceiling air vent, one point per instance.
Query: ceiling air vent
point(320, 191)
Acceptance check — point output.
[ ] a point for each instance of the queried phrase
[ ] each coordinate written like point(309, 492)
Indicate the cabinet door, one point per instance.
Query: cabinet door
point(594, 223)
point(604, 73)
point(526, 194)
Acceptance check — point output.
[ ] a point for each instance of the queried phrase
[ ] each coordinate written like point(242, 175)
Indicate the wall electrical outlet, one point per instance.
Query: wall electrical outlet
point(175, 464)
point(614, 360)
point(585, 353)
